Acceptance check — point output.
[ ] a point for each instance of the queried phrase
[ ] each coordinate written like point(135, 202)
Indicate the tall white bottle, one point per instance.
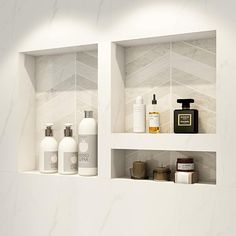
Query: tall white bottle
point(48, 161)
point(67, 153)
point(88, 145)
point(139, 116)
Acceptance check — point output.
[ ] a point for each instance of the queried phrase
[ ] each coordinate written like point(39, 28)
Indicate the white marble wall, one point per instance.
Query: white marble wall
point(49, 205)
point(184, 69)
point(66, 85)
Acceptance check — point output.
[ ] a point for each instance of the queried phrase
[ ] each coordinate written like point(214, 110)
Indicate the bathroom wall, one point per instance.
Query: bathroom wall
point(32, 204)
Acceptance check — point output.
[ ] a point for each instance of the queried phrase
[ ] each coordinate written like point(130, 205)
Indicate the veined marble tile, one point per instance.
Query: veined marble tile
point(193, 67)
point(86, 83)
point(148, 57)
point(148, 72)
point(66, 86)
point(184, 69)
point(53, 70)
point(196, 83)
point(134, 52)
point(206, 44)
point(55, 94)
point(195, 53)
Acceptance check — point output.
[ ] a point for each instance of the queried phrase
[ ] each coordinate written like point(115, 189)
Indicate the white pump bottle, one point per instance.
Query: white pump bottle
point(67, 153)
point(48, 160)
point(88, 145)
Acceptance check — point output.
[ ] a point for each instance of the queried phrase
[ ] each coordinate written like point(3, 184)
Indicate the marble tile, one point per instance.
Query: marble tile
point(198, 81)
point(138, 61)
point(86, 83)
point(55, 93)
point(147, 72)
point(206, 44)
point(184, 69)
point(195, 53)
point(66, 85)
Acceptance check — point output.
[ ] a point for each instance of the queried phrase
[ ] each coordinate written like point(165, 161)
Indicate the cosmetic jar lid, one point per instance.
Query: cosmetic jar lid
point(185, 160)
point(160, 170)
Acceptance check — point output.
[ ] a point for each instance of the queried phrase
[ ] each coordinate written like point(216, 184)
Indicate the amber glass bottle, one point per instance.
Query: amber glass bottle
point(154, 117)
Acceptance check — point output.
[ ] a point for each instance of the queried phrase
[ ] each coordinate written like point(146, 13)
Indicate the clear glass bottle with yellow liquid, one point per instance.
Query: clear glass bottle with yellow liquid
point(154, 117)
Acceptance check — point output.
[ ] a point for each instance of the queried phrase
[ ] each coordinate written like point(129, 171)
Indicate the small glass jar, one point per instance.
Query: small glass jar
point(185, 164)
point(161, 174)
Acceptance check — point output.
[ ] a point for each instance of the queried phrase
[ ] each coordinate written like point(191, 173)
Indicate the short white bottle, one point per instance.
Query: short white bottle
point(139, 116)
point(48, 161)
point(88, 145)
point(67, 153)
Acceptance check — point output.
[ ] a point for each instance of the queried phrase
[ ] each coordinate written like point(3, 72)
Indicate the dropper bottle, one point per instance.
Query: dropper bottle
point(154, 117)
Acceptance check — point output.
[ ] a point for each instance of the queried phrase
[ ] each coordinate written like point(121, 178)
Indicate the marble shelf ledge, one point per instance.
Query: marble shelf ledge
point(37, 172)
point(150, 181)
point(170, 142)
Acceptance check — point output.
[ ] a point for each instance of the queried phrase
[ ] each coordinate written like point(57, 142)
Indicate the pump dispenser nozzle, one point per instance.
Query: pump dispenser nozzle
point(68, 131)
point(48, 130)
point(88, 114)
point(185, 103)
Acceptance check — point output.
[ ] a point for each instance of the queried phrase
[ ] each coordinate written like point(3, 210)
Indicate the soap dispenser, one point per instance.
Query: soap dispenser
point(87, 145)
point(48, 160)
point(67, 153)
point(185, 119)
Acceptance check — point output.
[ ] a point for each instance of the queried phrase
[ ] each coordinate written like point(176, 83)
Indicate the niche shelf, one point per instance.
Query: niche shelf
point(58, 85)
point(172, 67)
point(205, 163)
point(161, 142)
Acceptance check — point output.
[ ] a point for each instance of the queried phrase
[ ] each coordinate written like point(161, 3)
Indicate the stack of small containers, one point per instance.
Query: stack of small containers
point(185, 172)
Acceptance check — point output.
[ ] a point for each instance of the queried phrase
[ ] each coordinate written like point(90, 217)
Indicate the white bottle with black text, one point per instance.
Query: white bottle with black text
point(67, 153)
point(88, 145)
point(48, 161)
point(139, 116)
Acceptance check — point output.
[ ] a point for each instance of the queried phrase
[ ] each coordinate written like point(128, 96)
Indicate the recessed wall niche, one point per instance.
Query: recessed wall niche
point(64, 84)
point(122, 161)
point(181, 66)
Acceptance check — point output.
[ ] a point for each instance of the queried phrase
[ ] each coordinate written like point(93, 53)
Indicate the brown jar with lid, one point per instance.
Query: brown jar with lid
point(161, 174)
point(185, 164)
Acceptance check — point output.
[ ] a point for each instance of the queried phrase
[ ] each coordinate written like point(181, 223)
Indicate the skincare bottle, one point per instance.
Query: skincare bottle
point(139, 116)
point(88, 145)
point(186, 120)
point(48, 160)
point(154, 117)
point(67, 153)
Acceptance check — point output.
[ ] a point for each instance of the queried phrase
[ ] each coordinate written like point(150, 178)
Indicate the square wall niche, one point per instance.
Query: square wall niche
point(122, 161)
point(172, 67)
point(62, 84)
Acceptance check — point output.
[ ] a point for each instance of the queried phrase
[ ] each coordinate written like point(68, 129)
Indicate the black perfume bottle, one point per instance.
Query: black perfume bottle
point(186, 120)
